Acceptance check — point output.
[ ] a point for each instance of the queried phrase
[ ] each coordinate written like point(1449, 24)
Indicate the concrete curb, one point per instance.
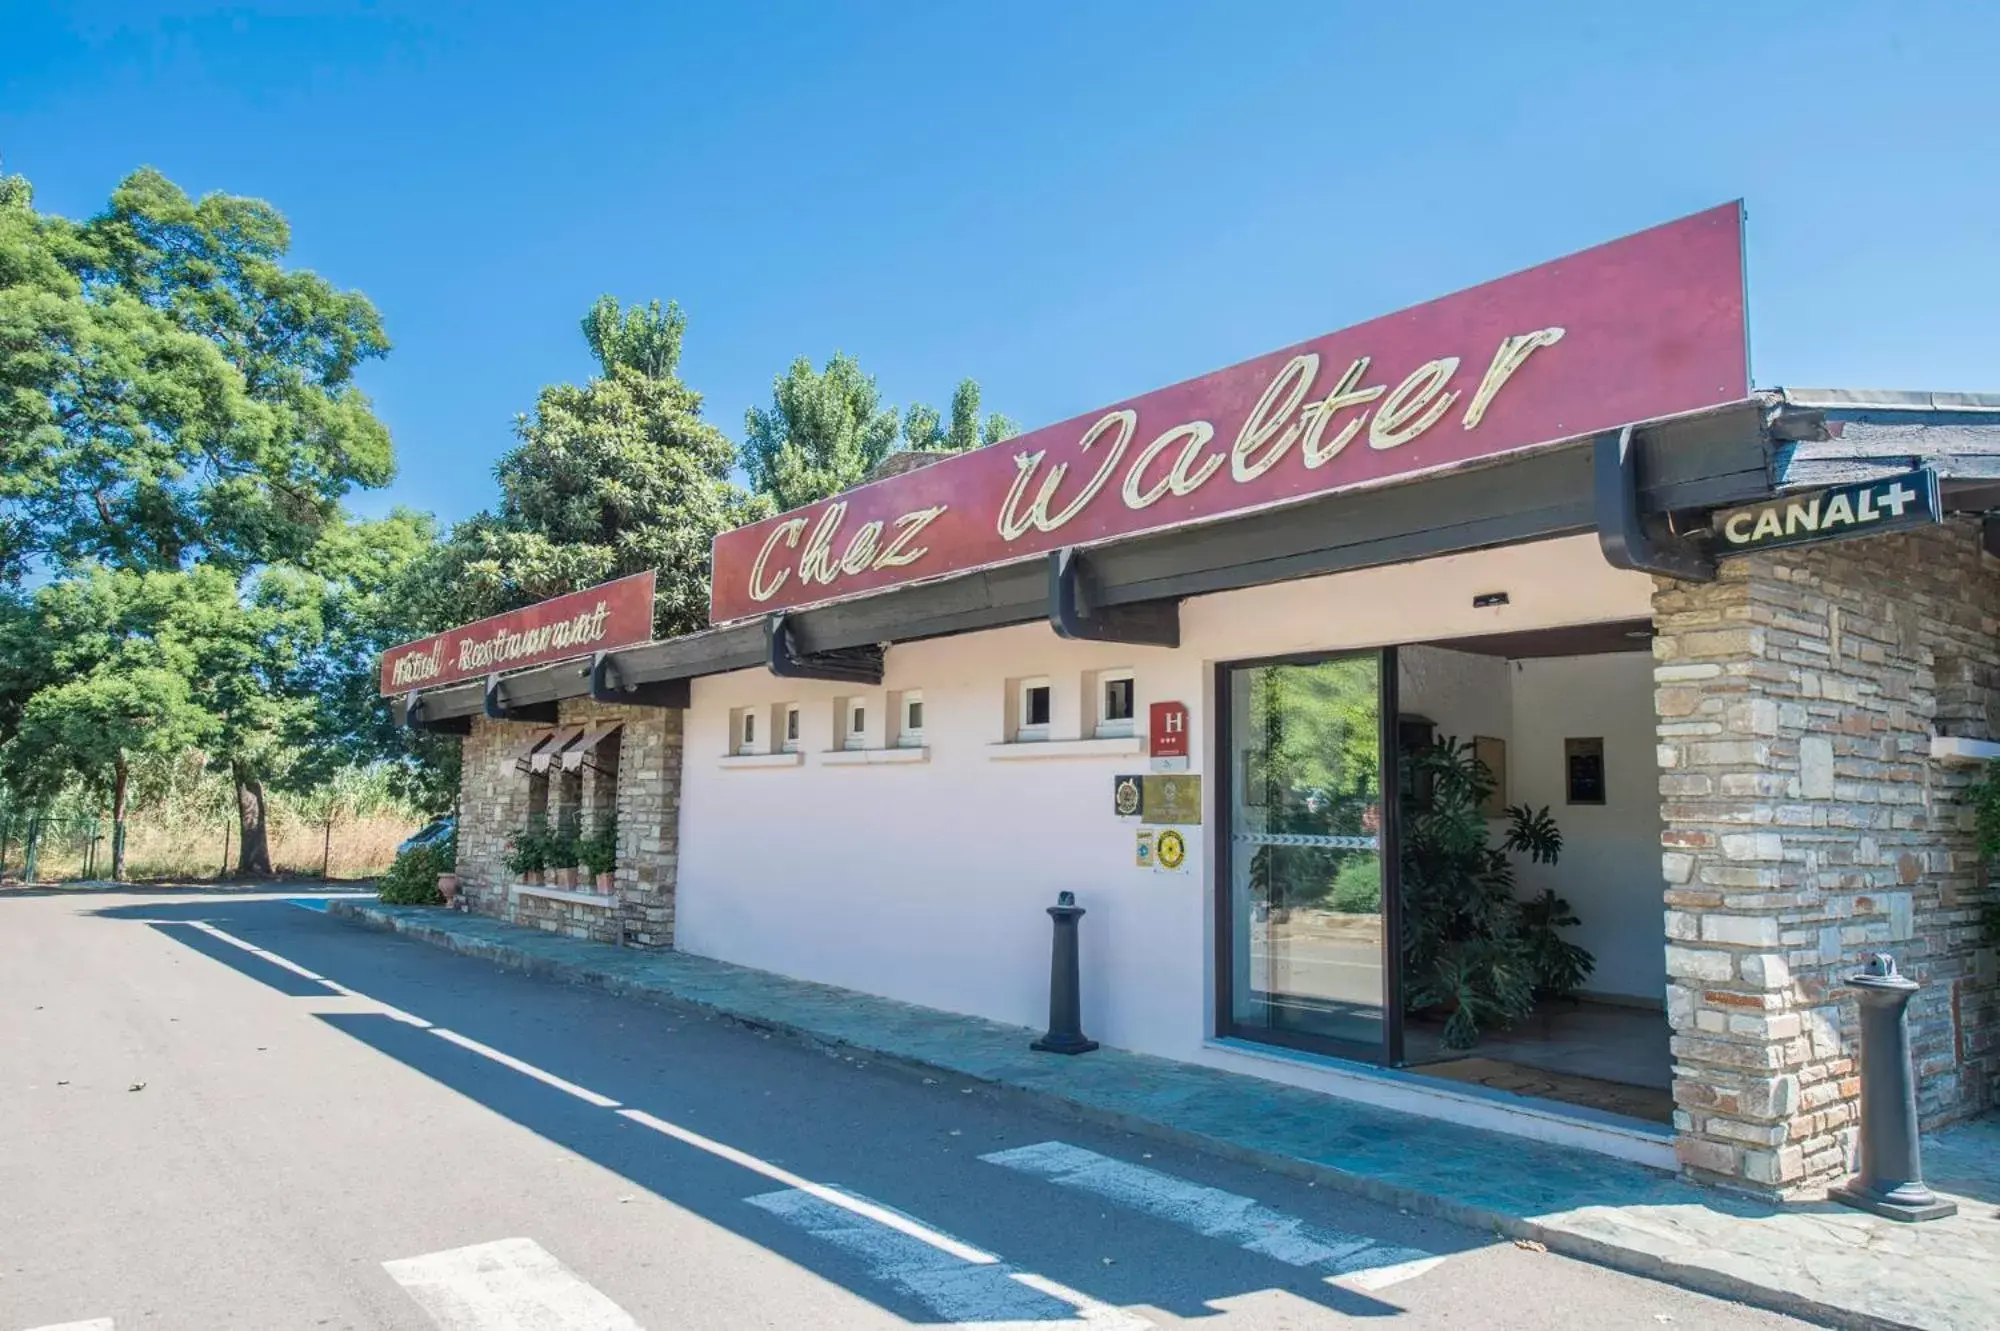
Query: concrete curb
point(1556, 1238)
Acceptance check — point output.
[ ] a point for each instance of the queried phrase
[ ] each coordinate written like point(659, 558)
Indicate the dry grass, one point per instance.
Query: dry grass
point(189, 849)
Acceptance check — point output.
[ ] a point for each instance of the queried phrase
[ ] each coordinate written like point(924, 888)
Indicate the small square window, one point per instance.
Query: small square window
point(910, 720)
point(746, 731)
point(855, 726)
point(1032, 716)
point(791, 733)
point(1116, 702)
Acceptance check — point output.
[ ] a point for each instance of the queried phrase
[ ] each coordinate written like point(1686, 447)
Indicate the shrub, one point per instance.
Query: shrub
point(599, 850)
point(1357, 888)
point(527, 851)
point(413, 879)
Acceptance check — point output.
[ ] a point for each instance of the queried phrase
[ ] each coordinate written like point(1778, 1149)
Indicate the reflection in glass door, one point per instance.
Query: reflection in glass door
point(1303, 936)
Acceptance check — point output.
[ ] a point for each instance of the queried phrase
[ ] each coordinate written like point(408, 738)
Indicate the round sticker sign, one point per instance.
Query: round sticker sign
point(1170, 850)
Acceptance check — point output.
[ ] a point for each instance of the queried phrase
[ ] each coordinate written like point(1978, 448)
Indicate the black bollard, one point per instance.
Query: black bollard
point(1891, 1181)
point(1065, 1000)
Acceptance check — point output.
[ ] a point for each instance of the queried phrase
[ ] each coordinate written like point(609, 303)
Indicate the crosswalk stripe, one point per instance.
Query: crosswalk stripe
point(94, 1324)
point(1350, 1259)
point(508, 1285)
point(990, 1296)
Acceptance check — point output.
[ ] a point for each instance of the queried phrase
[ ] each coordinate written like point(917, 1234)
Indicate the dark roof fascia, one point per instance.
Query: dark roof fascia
point(1702, 460)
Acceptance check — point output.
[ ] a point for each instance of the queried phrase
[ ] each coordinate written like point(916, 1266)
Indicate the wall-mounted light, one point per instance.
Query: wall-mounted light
point(1486, 600)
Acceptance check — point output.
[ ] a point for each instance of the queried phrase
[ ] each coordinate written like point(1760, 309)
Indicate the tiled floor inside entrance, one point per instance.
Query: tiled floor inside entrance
point(1598, 1055)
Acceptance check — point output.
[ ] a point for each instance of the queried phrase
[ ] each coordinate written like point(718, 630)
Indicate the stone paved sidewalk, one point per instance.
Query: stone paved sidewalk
point(1818, 1261)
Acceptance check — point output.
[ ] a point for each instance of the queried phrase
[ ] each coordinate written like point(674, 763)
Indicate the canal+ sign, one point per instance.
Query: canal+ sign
point(1861, 509)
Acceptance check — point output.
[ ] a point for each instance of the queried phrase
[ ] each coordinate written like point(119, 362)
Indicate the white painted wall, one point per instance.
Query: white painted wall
point(1465, 693)
point(928, 881)
point(1610, 866)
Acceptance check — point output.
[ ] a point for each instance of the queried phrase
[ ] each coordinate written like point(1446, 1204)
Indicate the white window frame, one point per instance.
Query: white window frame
point(1109, 727)
point(788, 738)
point(909, 736)
point(854, 723)
point(744, 739)
point(1026, 732)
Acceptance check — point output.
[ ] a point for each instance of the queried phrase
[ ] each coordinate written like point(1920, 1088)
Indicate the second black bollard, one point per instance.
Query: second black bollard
point(1065, 997)
point(1891, 1181)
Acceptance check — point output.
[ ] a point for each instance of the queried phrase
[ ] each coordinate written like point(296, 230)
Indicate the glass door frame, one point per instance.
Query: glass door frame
point(1389, 840)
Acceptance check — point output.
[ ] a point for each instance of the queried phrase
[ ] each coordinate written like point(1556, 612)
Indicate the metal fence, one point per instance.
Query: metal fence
point(35, 844)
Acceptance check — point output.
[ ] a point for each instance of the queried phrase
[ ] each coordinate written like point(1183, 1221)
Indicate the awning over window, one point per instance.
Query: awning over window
point(520, 758)
point(539, 760)
point(584, 748)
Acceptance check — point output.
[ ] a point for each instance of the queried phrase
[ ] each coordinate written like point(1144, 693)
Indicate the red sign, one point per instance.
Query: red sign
point(1644, 327)
point(612, 614)
point(1167, 730)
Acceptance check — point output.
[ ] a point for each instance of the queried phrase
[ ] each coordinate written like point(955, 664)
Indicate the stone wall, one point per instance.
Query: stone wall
point(1806, 826)
point(494, 803)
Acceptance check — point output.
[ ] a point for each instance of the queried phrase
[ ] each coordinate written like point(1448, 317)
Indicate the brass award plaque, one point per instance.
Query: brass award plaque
point(1171, 799)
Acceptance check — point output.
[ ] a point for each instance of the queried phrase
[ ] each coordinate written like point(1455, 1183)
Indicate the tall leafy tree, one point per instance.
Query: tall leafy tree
point(178, 424)
point(173, 394)
point(927, 430)
point(113, 681)
point(613, 476)
point(826, 430)
point(823, 432)
point(352, 587)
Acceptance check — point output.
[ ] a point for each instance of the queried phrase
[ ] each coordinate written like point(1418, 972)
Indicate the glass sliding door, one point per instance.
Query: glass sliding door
point(1305, 923)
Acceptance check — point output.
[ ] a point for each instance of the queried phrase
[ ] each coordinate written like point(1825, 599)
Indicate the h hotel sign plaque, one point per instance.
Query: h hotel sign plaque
point(1648, 326)
point(612, 614)
point(1167, 736)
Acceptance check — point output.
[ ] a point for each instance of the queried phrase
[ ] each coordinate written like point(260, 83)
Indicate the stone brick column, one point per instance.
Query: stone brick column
point(649, 802)
point(1806, 825)
point(494, 802)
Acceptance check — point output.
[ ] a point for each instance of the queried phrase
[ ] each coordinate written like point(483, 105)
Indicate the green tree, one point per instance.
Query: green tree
point(170, 393)
point(926, 430)
point(614, 476)
point(113, 682)
point(823, 432)
point(826, 430)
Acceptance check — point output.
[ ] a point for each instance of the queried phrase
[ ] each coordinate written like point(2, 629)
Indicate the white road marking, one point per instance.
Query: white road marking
point(510, 1285)
point(990, 1296)
point(256, 951)
point(1354, 1260)
point(525, 1069)
point(388, 1010)
point(860, 1206)
point(94, 1324)
point(1093, 1313)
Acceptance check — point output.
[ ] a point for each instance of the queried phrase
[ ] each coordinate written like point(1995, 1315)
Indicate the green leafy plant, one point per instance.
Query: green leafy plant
point(1470, 948)
point(1984, 797)
point(1560, 967)
point(564, 846)
point(527, 851)
point(600, 848)
point(413, 879)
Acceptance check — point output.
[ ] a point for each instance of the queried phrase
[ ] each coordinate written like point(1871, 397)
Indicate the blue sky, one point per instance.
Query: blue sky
point(1072, 203)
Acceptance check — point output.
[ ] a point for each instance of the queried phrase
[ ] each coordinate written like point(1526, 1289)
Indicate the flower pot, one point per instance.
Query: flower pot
point(532, 877)
point(566, 877)
point(606, 881)
point(448, 887)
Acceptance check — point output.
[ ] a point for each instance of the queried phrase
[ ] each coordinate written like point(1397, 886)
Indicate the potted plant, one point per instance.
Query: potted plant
point(600, 854)
point(562, 853)
point(1472, 952)
point(527, 854)
point(447, 864)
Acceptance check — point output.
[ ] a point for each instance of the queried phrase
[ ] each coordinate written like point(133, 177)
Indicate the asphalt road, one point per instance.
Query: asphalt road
point(350, 1129)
